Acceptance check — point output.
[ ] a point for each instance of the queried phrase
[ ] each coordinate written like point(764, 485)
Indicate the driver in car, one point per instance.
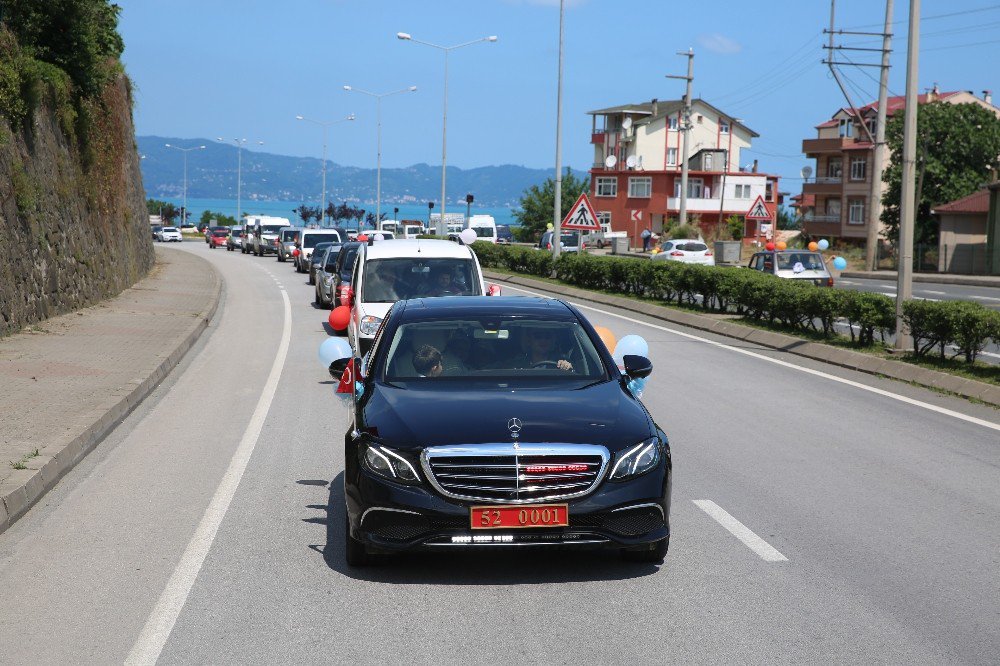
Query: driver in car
point(541, 351)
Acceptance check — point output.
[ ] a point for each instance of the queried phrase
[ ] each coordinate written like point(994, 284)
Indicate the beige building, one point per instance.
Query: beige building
point(835, 201)
point(962, 234)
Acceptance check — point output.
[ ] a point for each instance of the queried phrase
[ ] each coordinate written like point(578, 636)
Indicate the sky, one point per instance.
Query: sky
point(247, 68)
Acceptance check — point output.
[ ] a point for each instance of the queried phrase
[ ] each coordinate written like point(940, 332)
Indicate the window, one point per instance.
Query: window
point(696, 188)
point(607, 187)
point(844, 128)
point(833, 209)
point(834, 167)
point(672, 123)
point(858, 166)
point(872, 124)
point(723, 127)
point(700, 118)
point(742, 191)
point(856, 211)
point(640, 187)
point(671, 156)
point(769, 191)
point(708, 161)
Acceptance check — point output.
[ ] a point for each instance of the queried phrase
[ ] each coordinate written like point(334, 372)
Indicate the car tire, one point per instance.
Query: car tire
point(281, 258)
point(354, 551)
point(312, 278)
point(651, 555)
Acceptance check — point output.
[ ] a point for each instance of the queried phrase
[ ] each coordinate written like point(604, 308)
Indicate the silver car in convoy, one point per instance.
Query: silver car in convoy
point(287, 238)
point(326, 275)
point(793, 265)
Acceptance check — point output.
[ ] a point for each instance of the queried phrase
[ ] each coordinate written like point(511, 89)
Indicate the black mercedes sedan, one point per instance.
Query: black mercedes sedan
point(485, 422)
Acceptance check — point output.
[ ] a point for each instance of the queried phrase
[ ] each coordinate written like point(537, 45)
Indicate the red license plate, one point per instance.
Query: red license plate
point(519, 516)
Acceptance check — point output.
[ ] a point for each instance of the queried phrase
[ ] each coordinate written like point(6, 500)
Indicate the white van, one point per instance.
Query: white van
point(389, 225)
point(485, 227)
point(260, 232)
point(308, 239)
point(411, 231)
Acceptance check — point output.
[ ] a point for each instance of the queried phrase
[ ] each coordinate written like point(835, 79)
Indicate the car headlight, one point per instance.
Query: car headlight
point(369, 324)
point(328, 280)
point(390, 465)
point(637, 460)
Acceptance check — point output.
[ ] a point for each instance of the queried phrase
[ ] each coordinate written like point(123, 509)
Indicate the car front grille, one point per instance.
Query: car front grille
point(515, 474)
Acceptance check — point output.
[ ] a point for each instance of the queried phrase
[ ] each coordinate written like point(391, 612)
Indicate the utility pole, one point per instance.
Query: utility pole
point(907, 198)
point(878, 154)
point(686, 128)
point(557, 204)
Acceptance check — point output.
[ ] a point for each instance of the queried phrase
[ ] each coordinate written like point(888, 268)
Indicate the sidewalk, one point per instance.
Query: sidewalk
point(68, 381)
point(936, 278)
point(845, 358)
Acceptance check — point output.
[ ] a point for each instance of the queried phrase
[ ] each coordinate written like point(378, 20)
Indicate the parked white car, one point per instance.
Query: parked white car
point(169, 234)
point(685, 251)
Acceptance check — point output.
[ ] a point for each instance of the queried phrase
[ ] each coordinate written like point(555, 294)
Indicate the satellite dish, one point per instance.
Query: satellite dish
point(631, 162)
point(806, 172)
point(610, 161)
point(627, 123)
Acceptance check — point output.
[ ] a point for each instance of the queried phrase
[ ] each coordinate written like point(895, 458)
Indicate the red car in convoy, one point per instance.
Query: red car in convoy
point(218, 238)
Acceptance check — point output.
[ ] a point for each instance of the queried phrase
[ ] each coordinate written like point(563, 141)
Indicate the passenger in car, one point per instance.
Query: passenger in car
point(427, 361)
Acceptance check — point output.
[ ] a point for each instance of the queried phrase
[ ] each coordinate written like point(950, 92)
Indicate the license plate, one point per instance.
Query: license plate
point(519, 516)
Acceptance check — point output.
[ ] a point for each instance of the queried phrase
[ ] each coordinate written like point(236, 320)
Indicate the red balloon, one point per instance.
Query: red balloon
point(339, 318)
point(295, 252)
point(769, 247)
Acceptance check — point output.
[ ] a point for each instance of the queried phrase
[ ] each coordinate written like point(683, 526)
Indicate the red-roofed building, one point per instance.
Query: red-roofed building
point(841, 185)
point(962, 233)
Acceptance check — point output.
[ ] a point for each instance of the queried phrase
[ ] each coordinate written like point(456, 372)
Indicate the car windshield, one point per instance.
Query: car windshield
point(312, 240)
point(318, 251)
point(331, 259)
point(810, 261)
point(483, 232)
point(348, 264)
point(289, 235)
point(391, 280)
point(692, 247)
point(237, 233)
point(271, 228)
point(500, 351)
point(170, 228)
point(220, 233)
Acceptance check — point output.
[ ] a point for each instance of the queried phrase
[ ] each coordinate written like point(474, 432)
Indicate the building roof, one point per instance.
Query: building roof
point(803, 201)
point(974, 204)
point(664, 108)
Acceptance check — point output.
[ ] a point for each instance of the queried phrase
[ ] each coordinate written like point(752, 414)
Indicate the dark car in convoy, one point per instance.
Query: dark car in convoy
point(486, 422)
point(343, 271)
point(317, 256)
point(504, 235)
point(326, 275)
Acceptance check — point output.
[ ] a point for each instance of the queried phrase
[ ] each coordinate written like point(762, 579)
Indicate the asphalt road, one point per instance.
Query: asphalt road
point(208, 527)
point(987, 296)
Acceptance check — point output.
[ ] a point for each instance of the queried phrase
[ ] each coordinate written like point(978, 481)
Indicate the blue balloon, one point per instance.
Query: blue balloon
point(840, 263)
point(334, 349)
point(630, 345)
point(823, 244)
point(637, 386)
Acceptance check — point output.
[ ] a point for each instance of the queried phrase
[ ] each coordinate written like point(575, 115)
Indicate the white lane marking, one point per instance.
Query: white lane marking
point(985, 298)
point(161, 621)
point(817, 373)
point(766, 551)
point(936, 293)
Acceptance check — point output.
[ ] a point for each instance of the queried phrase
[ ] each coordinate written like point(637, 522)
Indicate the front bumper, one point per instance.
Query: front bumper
point(390, 517)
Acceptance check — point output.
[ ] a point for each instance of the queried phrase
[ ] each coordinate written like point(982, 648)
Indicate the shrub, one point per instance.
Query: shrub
point(869, 313)
point(971, 326)
point(929, 323)
point(824, 305)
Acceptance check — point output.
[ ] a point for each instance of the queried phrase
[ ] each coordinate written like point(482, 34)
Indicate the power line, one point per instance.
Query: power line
point(768, 74)
point(960, 46)
point(987, 8)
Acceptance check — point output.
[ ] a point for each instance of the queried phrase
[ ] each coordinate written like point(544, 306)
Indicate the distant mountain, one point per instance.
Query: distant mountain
point(212, 175)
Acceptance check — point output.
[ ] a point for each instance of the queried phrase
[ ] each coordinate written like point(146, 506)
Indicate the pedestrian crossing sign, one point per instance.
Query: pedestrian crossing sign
point(758, 211)
point(581, 216)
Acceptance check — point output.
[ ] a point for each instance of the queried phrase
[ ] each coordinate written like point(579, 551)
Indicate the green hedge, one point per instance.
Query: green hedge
point(760, 297)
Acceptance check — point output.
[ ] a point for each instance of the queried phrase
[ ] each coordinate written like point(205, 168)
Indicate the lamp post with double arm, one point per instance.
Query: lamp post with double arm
point(184, 206)
point(325, 124)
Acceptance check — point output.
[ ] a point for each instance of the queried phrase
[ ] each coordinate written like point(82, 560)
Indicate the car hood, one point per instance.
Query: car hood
point(416, 417)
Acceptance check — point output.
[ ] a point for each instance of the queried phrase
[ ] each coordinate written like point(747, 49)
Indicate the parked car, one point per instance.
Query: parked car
point(287, 238)
point(235, 238)
point(156, 229)
point(219, 238)
point(388, 272)
point(793, 265)
point(317, 257)
point(308, 239)
point(504, 235)
point(533, 440)
point(685, 251)
point(343, 270)
point(570, 241)
point(326, 275)
point(169, 234)
point(264, 239)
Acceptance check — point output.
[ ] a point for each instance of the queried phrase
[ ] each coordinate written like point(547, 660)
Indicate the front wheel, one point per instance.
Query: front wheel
point(354, 551)
point(652, 555)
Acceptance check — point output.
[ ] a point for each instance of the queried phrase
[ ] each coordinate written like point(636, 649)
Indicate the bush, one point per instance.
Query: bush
point(972, 325)
point(929, 323)
point(868, 313)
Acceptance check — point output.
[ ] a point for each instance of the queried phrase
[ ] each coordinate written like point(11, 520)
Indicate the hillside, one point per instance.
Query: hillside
point(212, 175)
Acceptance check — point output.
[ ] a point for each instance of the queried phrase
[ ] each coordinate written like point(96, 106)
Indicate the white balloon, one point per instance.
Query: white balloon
point(633, 345)
point(334, 349)
point(379, 237)
point(468, 236)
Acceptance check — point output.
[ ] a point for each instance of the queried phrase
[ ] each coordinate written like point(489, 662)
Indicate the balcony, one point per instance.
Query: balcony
point(706, 204)
point(598, 137)
point(824, 185)
point(821, 217)
point(813, 147)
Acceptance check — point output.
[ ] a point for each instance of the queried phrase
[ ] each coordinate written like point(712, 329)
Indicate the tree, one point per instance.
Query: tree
point(537, 202)
point(221, 220)
point(168, 212)
point(308, 213)
point(154, 206)
point(956, 145)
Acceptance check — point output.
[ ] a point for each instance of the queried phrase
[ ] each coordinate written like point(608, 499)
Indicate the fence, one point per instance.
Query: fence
point(959, 258)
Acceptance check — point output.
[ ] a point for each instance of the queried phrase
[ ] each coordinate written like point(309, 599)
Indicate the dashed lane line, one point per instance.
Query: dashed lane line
point(764, 550)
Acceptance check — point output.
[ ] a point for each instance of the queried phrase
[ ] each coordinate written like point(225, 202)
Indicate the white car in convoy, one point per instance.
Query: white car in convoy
point(685, 251)
point(169, 234)
point(308, 239)
point(387, 272)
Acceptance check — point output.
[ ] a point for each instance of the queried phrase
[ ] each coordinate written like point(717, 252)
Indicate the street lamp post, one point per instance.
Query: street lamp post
point(405, 36)
point(378, 168)
point(324, 125)
point(184, 206)
point(239, 175)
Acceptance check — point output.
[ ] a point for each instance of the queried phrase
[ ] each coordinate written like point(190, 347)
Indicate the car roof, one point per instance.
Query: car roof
point(420, 309)
point(424, 248)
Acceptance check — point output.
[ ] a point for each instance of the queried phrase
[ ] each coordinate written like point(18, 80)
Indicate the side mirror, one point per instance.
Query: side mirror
point(337, 368)
point(637, 367)
point(349, 297)
point(493, 290)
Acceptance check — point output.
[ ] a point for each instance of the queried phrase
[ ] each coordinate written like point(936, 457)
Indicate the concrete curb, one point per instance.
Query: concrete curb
point(845, 358)
point(965, 280)
point(32, 484)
